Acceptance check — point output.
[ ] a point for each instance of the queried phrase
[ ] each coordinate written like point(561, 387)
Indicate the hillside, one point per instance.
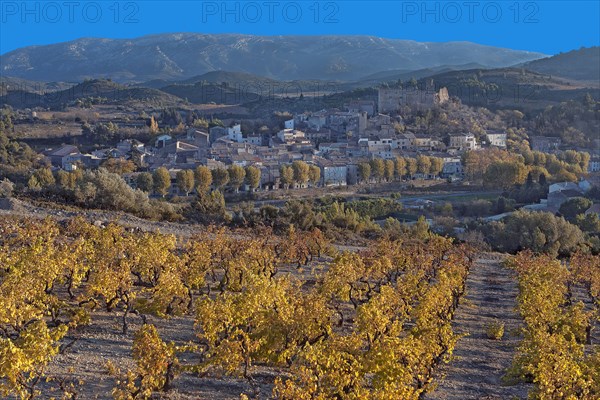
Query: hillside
point(185, 55)
point(9, 83)
point(394, 75)
point(101, 90)
point(509, 88)
point(582, 64)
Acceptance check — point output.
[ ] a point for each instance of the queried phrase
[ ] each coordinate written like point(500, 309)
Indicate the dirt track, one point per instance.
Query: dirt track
point(479, 363)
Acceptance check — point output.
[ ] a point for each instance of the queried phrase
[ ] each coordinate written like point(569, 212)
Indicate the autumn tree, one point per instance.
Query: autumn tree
point(253, 176)
point(390, 168)
point(314, 174)
point(505, 174)
point(185, 181)
point(411, 166)
point(364, 172)
point(162, 181)
point(286, 173)
point(153, 126)
point(423, 164)
point(301, 172)
point(437, 165)
point(203, 178)
point(119, 166)
point(377, 168)
point(400, 165)
point(220, 178)
point(236, 176)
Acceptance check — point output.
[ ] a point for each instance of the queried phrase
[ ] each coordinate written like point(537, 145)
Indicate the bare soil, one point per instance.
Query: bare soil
point(480, 363)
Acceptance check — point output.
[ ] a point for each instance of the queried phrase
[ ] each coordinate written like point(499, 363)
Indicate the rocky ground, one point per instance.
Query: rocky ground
point(479, 362)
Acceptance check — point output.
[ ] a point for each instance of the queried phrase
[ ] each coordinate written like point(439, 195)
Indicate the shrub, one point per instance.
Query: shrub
point(494, 330)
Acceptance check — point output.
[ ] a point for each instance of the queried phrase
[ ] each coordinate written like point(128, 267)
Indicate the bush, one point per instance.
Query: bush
point(6, 188)
point(106, 190)
point(494, 330)
point(541, 232)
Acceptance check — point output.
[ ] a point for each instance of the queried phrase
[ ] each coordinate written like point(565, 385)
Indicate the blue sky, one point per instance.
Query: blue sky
point(543, 26)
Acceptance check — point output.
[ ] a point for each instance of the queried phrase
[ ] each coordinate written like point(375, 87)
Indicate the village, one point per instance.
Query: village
point(335, 141)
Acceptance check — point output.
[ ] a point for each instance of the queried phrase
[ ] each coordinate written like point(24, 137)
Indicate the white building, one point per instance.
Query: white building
point(234, 133)
point(288, 135)
point(496, 139)
point(465, 141)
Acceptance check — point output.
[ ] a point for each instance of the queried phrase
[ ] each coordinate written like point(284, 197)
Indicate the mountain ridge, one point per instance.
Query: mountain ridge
point(179, 56)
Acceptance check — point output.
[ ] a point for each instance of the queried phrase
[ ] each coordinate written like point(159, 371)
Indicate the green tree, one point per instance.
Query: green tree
point(42, 178)
point(145, 182)
point(185, 180)
point(573, 207)
point(66, 180)
point(162, 181)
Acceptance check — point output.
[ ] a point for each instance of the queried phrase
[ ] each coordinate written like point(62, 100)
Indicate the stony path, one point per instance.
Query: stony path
point(479, 363)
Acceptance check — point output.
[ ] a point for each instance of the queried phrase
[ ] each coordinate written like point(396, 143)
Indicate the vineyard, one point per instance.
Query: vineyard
point(110, 312)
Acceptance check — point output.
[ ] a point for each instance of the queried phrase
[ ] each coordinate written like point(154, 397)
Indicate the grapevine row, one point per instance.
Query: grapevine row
point(373, 325)
point(551, 354)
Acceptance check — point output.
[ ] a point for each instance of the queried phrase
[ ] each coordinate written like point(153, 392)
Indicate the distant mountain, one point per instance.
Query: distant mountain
point(181, 56)
point(582, 64)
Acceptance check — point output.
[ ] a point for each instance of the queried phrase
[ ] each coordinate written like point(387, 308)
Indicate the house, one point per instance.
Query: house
point(358, 106)
point(544, 144)
point(423, 142)
point(560, 192)
point(162, 141)
point(463, 142)
point(317, 120)
point(128, 145)
point(289, 135)
point(496, 139)
point(392, 99)
point(582, 186)
point(594, 164)
point(198, 137)
point(57, 156)
point(332, 173)
point(452, 168)
point(216, 132)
